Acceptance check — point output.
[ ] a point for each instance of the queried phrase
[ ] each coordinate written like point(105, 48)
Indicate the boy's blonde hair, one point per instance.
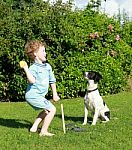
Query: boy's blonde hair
point(33, 46)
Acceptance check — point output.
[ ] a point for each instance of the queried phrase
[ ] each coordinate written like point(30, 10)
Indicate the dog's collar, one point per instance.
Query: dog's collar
point(89, 91)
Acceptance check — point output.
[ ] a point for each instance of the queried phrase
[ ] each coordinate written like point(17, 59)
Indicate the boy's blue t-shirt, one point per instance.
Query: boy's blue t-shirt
point(44, 76)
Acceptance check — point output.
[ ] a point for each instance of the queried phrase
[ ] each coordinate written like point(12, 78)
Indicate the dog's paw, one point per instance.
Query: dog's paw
point(105, 121)
point(93, 124)
point(84, 123)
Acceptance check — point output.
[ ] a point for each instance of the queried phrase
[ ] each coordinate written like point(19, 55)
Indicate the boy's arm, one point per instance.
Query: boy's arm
point(30, 77)
point(55, 95)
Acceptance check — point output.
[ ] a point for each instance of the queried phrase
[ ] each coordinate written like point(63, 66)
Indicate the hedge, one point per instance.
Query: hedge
point(77, 41)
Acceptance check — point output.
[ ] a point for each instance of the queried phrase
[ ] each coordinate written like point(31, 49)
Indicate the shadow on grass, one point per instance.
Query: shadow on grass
point(15, 123)
point(74, 119)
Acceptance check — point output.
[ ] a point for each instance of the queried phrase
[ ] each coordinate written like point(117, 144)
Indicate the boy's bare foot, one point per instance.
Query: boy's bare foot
point(46, 134)
point(33, 129)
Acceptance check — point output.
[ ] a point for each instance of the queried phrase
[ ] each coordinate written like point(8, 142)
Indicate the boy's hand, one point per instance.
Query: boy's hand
point(23, 64)
point(56, 98)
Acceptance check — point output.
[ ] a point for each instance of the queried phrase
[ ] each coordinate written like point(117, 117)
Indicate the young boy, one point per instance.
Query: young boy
point(40, 75)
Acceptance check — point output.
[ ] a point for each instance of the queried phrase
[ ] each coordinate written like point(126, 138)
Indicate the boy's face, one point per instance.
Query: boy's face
point(41, 54)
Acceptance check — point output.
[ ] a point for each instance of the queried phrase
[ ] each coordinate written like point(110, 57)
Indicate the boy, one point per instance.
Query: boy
point(40, 75)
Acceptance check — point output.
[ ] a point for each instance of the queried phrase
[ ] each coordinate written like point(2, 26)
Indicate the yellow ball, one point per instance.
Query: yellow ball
point(22, 64)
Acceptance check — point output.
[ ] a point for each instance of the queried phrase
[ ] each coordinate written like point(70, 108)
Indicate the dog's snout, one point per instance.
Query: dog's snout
point(85, 74)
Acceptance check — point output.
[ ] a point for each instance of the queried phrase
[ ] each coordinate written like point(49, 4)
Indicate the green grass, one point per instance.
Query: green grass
point(16, 119)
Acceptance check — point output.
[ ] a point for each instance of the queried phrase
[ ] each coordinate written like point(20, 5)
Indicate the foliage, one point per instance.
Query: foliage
point(77, 41)
point(127, 33)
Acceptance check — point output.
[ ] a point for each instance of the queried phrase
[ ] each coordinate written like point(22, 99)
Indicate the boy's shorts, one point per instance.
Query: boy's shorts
point(40, 103)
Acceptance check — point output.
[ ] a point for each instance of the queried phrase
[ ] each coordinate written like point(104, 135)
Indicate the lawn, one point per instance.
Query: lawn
point(16, 119)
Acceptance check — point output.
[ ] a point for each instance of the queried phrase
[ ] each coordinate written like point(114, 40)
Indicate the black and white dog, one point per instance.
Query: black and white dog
point(93, 101)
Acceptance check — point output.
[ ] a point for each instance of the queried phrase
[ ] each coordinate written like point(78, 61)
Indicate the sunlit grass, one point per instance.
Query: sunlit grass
point(16, 119)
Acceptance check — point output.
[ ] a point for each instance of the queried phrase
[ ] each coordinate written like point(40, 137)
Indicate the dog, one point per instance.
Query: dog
point(93, 101)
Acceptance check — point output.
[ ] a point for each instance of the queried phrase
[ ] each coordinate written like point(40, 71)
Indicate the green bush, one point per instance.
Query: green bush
point(71, 82)
point(77, 41)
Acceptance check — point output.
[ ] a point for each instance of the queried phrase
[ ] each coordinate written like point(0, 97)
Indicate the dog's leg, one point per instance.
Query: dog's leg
point(106, 119)
point(85, 116)
point(106, 116)
point(96, 114)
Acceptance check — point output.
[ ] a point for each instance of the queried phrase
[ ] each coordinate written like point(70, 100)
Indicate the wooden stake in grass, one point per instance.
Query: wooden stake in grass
point(63, 120)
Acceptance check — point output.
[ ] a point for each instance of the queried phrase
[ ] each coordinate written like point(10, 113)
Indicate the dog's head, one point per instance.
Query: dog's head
point(93, 75)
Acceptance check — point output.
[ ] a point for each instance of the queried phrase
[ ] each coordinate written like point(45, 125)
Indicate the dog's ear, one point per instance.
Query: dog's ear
point(97, 77)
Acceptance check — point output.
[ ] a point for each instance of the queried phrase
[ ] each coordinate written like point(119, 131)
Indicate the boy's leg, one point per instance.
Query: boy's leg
point(38, 120)
point(47, 121)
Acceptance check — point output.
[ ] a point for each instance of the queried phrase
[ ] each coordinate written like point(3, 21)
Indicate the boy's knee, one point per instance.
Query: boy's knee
point(53, 110)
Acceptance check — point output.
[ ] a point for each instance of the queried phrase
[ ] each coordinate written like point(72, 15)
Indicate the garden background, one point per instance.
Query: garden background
point(77, 40)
